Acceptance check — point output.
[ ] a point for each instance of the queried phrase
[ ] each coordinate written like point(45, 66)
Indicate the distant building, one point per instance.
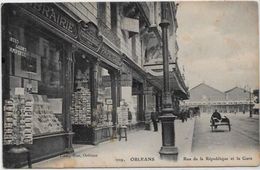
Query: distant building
point(256, 101)
point(207, 98)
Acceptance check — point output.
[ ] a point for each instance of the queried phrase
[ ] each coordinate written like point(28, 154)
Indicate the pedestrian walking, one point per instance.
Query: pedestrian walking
point(154, 119)
point(129, 115)
point(182, 115)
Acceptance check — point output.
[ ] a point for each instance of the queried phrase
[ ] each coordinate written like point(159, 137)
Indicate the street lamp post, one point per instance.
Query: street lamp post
point(168, 150)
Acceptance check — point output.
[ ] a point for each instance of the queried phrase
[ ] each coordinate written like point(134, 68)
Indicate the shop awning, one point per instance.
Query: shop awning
point(175, 85)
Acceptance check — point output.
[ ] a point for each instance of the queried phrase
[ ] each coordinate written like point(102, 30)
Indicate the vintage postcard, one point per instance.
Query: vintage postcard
point(130, 84)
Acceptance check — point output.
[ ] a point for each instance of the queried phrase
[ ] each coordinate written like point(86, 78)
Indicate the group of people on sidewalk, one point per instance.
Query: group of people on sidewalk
point(185, 114)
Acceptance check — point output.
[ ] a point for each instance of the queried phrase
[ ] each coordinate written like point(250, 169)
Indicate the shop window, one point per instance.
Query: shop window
point(35, 67)
point(81, 97)
point(51, 68)
point(102, 116)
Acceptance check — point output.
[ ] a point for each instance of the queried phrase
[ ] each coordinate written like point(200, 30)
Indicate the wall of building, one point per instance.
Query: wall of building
point(87, 11)
point(204, 92)
point(237, 94)
point(207, 99)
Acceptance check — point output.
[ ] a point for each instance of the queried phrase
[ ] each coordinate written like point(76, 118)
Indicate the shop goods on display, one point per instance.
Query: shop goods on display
point(28, 116)
point(102, 120)
point(44, 120)
point(17, 122)
point(81, 108)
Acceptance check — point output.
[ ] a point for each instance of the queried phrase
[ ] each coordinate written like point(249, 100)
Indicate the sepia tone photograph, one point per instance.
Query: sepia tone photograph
point(139, 84)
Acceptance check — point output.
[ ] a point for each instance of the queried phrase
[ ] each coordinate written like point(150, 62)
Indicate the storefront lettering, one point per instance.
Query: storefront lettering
point(14, 40)
point(90, 41)
point(16, 48)
point(54, 15)
point(104, 51)
point(17, 52)
point(88, 35)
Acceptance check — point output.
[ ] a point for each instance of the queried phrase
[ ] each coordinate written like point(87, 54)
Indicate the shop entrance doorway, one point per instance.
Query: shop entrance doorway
point(138, 100)
point(81, 99)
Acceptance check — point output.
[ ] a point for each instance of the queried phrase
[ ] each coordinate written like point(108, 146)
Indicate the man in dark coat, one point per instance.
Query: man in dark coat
point(216, 116)
point(129, 115)
point(154, 120)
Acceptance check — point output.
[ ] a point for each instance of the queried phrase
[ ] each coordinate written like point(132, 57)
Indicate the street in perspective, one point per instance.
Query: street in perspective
point(245, 138)
point(130, 84)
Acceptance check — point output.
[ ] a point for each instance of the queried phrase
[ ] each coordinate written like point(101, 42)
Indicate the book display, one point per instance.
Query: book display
point(28, 116)
point(18, 121)
point(81, 100)
point(81, 108)
point(44, 120)
point(102, 116)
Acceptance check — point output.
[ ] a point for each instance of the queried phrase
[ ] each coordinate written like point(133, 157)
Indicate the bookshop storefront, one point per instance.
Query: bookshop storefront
point(53, 68)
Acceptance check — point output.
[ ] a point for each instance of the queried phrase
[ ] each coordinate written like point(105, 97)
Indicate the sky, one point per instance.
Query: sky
point(218, 44)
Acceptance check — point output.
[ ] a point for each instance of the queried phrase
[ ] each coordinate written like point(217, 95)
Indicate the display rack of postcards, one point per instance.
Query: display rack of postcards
point(101, 120)
point(122, 113)
point(81, 107)
point(105, 119)
point(99, 116)
point(18, 121)
point(44, 120)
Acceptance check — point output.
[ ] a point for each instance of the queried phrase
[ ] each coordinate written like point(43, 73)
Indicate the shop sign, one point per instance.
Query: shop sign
point(28, 63)
point(25, 61)
point(88, 35)
point(19, 91)
point(109, 54)
point(16, 48)
point(53, 15)
point(109, 101)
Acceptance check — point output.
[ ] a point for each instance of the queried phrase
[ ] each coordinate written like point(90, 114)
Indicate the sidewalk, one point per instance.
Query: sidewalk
point(141, 145)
